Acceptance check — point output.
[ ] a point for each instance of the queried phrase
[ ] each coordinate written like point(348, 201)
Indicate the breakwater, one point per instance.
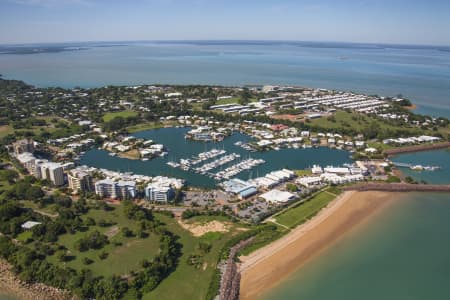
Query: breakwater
point(417, 148)
point(231, 277)
point(398, 187)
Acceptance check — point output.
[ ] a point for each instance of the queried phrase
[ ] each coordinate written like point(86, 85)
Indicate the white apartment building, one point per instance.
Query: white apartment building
point(108, 188)
point(159, 193)
point(79, 181)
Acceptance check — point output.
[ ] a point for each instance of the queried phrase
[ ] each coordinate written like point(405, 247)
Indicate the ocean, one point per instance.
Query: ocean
point(421, 73)
point(402, 253)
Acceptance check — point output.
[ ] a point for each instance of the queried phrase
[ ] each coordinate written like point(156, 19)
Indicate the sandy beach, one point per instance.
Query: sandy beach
point(268, 266)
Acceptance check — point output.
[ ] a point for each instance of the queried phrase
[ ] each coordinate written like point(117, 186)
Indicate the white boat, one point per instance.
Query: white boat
point(417, 168)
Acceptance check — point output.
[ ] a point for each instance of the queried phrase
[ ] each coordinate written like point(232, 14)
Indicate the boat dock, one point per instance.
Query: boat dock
point(415, 167)
point(217, 163)
point(238, 168)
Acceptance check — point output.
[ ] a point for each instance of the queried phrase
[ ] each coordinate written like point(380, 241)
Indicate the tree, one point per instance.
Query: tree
point(8, 175)
point(103, 255)
point(244, 96)
point(291, 187)
point(126, 232)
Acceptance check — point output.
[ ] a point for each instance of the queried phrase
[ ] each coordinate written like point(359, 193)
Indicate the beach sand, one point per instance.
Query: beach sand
point(268, 266)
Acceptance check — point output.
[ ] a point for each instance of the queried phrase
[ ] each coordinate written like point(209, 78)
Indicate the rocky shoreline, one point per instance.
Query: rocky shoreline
point(10, 284)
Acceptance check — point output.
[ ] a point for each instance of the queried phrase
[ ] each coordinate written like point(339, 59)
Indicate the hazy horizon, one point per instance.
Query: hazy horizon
point(313, 42)
point(355, 21)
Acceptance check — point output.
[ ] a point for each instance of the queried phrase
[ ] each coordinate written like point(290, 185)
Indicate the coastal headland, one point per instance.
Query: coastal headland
point(268, 266)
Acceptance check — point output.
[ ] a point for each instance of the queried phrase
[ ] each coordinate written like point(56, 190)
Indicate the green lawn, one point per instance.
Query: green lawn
point(8, 129)
point(5, 130)
point(334, 190)
point(148, 126)
point(25, 236)
point(299, 214)
point(301, 173)
point(124, 114)
point(380, 146)
point(49, 209)
point(121, 259)
point(233, 100)
point(355, 121)
point(228, 101)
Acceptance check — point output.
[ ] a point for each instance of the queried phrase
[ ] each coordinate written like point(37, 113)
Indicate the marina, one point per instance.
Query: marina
point(186, 163)
point(217, 163)
point(190, 151)
point(238, 168)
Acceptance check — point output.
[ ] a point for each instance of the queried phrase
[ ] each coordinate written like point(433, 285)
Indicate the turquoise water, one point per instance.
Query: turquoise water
point(402, 254)
point(173, 139)
point(439, 158)
point(421, 73)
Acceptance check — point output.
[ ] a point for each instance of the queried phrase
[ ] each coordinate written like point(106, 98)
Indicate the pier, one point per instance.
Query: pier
point(415, 167)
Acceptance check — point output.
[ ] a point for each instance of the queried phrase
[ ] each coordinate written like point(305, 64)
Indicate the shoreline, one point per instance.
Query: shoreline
point(267, 267)
point(12, 286)
point(411, 107)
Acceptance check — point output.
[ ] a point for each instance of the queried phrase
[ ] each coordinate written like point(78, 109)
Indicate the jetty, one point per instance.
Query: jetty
point(398, 187)
point(415, 167)
point(238, 168)
point(416, 148)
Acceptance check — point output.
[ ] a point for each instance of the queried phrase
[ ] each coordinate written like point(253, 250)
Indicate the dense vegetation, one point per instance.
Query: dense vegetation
point(33, 258)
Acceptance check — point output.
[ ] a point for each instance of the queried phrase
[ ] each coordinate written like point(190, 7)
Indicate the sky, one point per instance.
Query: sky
point(424, 22)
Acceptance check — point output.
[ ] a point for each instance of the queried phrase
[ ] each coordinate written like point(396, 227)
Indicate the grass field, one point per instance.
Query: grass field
point(232, 100)
point(124, 114)
point(358, 122)
point(8, 129)
point(121, 259)
point(188, 282)
point(301, 173)
point(228, 101)
point(301, 213)
point(145, 126)
point(5, 130)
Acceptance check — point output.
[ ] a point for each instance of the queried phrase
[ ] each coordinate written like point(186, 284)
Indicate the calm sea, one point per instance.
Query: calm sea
point(402, 254)
point(420, 73)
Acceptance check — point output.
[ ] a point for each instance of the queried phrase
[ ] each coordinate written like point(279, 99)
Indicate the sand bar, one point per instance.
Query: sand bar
point(268, 266)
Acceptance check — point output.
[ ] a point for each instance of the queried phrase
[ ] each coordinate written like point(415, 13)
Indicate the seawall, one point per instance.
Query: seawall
point(417, 148)
point(398, 187)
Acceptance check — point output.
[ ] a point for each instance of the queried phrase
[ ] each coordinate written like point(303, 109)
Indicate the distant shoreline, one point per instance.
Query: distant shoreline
point(411, 107)
point(268, 266)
